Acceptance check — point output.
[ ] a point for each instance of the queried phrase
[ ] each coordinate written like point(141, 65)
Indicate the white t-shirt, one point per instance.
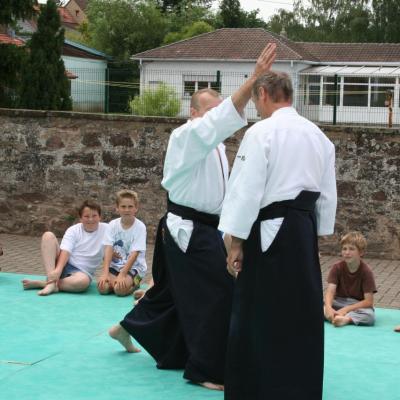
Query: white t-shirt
point(85, 248)
point(126, 241)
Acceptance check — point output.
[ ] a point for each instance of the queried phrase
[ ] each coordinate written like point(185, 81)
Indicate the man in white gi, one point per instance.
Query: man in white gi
point(281, 195)
point(183, 320)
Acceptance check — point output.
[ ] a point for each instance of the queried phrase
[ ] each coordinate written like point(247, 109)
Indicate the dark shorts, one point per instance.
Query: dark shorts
point(69, 270)
point(135, 277)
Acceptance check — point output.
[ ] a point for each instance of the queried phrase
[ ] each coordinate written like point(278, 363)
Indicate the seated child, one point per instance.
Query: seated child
point(71, 265)
point(124, 263)
point(349, 297)
point(139, 294)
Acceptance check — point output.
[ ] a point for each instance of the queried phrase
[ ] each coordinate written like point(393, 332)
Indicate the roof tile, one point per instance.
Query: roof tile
point(6, 39)
point(247, 44)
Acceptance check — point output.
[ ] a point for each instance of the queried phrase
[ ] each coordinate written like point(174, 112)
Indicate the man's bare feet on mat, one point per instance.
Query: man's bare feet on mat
point(51, 287)
point(31, 284)
point(117, 332)
point(212, 386)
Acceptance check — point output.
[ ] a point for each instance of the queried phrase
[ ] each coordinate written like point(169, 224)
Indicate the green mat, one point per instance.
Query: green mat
point(57, 347)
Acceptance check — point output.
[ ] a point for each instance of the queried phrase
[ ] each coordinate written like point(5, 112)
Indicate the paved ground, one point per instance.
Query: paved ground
point(22, 256)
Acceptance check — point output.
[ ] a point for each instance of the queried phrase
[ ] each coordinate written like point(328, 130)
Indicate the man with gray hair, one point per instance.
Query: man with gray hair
point(183, 320)
point(280, 196)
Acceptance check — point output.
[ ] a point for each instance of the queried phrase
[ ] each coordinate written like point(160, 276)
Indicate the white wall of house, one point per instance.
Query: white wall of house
point(233, 74)
point(88, 90)
point(203, 74)
point(360, 99)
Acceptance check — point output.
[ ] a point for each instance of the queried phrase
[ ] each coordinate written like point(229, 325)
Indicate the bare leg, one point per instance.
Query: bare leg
point(340, 320)
point(50, 251)
point(117, 332)
point(397, 328)
point(32, 284)
point(124, 291)
point(108, 287)
point(76, 283)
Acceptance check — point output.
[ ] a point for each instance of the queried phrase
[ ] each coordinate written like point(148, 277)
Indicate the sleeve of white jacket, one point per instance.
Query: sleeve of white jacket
point(325, 208)
point(193, 141)
point(246, 188)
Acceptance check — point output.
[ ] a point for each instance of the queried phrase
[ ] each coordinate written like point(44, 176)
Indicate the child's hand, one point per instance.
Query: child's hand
point(120, 282)
point(330, 313)
point(102, 282)
point(343, 311)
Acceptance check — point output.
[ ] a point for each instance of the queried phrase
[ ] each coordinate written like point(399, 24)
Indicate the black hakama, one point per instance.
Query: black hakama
point(183, 321)
point(276, 341)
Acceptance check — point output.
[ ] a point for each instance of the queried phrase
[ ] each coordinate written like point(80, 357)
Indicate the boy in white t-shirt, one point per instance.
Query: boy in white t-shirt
point(124, 263)
point(70, 266)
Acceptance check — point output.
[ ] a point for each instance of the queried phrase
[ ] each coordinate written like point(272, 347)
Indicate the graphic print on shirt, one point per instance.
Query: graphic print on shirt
point(120, 250)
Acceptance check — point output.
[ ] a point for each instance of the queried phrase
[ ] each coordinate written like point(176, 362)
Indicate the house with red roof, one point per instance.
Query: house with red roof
point(5, 38)
point(357, 82)
point(68, 20)
point(77, 9)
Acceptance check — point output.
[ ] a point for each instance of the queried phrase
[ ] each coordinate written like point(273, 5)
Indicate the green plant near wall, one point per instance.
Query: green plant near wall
point(160, 101)
point(70, 218)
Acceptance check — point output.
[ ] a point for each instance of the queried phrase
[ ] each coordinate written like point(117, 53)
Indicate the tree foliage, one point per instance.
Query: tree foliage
point(12, 10)
point(385, 21)
point(325, 21)
point(12, 62)
point(180, 6)
point(161, 101)
point(231, 15)
point(188, 31)
point(125, 27)
point(45, 85)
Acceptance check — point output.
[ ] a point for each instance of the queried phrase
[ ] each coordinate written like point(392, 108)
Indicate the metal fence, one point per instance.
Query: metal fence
point(334, 99)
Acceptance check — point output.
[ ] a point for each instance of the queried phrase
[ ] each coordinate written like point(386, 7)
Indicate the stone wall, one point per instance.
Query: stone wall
point(51, 161)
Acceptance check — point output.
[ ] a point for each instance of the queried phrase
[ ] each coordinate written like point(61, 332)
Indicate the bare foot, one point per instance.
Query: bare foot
point(117, 332)
point(212, 386)
point(397, 328)
point(340, 320)
point(50, 287)
point(31, 284)
point(139, 293)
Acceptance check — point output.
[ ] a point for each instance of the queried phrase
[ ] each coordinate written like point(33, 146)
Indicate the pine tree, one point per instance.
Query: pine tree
point(12, 57)
point(45, 85)
point(12, 10)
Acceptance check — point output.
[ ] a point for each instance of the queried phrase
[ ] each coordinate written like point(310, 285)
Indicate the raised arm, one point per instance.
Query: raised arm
point(242, 96)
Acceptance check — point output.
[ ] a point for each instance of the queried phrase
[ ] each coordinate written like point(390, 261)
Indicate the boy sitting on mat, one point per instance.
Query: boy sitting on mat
point(71, 265)
point(349, 298)
point(124, 263)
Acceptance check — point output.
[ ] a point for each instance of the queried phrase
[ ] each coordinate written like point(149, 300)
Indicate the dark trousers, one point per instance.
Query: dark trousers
point(183, 321)
point(276, 342)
